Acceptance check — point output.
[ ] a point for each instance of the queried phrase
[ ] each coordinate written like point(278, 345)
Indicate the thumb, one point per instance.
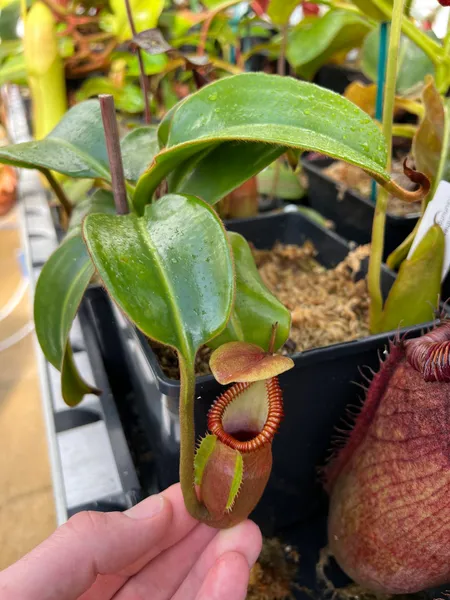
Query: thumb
point(89, 544)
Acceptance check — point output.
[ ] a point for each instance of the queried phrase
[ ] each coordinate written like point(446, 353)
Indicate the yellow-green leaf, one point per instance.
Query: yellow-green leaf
point(415, 294)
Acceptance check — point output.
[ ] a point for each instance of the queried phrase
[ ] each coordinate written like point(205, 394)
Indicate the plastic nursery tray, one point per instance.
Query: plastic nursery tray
point(316, 392)
point(353, 214)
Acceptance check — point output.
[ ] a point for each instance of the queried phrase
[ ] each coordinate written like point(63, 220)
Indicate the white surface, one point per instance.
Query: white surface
point(41, 248)
point(89, 468)
point(76, 334)
point(437, 211)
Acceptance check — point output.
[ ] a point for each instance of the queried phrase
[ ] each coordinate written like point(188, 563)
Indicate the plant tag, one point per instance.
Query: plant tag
point(437, 211)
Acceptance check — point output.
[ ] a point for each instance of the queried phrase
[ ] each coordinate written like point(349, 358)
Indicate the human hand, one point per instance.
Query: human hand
point(155, 550)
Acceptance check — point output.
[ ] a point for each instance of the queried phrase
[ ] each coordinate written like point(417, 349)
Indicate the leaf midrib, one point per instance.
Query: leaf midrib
point(81, 272)
point(227, 138)
point(145, 234)
point(88, 158)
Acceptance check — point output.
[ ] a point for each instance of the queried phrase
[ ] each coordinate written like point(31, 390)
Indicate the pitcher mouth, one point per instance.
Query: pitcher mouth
point(247, 415)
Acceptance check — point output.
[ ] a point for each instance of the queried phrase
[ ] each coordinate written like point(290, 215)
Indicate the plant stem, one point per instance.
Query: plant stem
point(142, 77)
point(376, 254)
point(114, 153)
point(447, 37)
point(443, 68)
point(273, 335)
point(187, 440)
point(405, 130)
point(59, 192)
point(281, 65)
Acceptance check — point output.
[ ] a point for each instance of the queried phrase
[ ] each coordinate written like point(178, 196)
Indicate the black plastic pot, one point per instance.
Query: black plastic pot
point(316, 391)
point(338, 77)
point(353, 214)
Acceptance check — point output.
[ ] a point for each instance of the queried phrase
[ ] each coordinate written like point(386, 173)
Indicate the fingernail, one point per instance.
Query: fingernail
point(148, 508)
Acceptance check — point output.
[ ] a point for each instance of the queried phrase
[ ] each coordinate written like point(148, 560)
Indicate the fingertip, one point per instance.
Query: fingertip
point(228, 578)
point(151, 507)
point(244, 538)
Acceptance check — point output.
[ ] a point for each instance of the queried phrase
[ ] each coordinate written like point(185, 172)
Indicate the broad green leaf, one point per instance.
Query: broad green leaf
point(145, 14)
point(76, 147)
point(314, 41)
point(127, 98)
point(413, 63)
point(10, 48)
point(431, 143)
point(153, 63)
point(261, 110)
point(101, 201)
point(415, 294)
point(255, 308)
point(13, 70)
point(179, 22)
point(9, 19)
point(313, 215)
point(73, 386)
point(280, 10)
point(59, 291)
point(281, 181)
point(77, 189)
point(210, 177)
point(138, 150)
point(170, 271)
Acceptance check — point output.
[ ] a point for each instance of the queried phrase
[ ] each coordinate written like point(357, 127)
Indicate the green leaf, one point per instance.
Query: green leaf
point(413, 63)
point(76, 147)
point(255, 308)
point(287, 185)
point(73, 386)
point(10, 48)
point(138, 150)
point(77, 189)
point(145, 15)
point(179, 22)
point(220, 170)
point(127, 98)
point(9, 19)
point(280, 10)
point(415, 294)
point(153, 63)
point(314, 41)
point(170, 271)
point(13, 70)
point(59, 291)
point(260, 110)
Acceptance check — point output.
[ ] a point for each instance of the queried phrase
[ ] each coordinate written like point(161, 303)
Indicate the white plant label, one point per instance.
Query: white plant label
point(437, 211)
